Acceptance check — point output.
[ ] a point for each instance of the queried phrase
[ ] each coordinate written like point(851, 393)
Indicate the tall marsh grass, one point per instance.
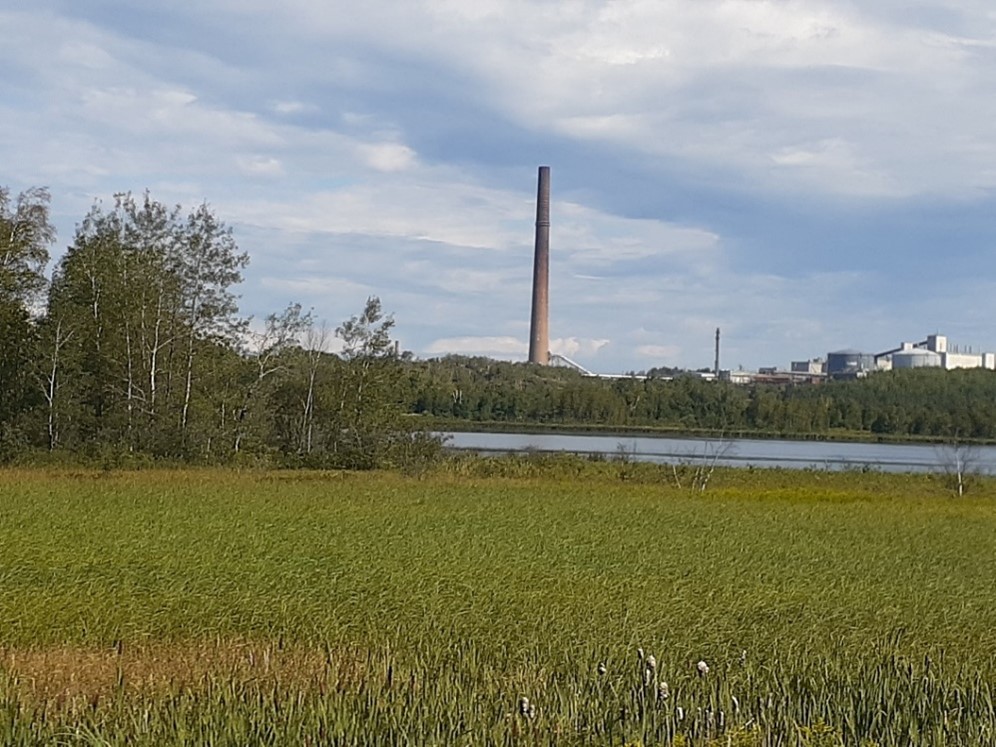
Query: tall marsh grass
point(212, 607)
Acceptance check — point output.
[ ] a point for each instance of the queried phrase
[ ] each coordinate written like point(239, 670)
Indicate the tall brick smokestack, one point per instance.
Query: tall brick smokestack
point(539, 327)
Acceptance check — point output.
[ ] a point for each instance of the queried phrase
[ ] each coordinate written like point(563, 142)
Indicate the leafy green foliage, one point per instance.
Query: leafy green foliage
point(18, 348)
point(25, 235)
point(919, 403)
point(141, 352)
point(141, 297)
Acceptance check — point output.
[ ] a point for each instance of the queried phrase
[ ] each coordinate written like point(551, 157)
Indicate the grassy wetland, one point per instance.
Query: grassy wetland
point(517, 601)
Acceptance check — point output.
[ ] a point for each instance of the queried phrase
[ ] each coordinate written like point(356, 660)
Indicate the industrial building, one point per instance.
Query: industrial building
point(814, 367)
point(932, 352)
point(849, 363)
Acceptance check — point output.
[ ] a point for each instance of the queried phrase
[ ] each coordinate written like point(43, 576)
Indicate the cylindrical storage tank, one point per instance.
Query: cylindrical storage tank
point(846, 361)
point(916, 358)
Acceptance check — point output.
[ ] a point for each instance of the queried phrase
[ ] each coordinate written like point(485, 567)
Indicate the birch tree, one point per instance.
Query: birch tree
point(57, 334)
point(208, 265)
point(150, 289)
point(268, 349)
point(151, 242)
point(315, 341)
point(369, 426)
point(296, 402)
point(25, 235)
point(88, 292)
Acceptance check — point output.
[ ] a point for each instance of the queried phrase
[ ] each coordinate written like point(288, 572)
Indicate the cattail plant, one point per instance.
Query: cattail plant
point(663, 692)
point(524, 706)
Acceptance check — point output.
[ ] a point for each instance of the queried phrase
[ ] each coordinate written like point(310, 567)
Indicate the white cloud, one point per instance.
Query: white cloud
point(437, 206)
point(317, 286)
point(401, 176)
point(86, 55)
point(836, 98)
point(725, 84)
point(593, 237)
point(503, 347)
point(492, 346)
point(661, 352)
point(388, 157)
point(571, 346)
point(291, 107)
point(261, 166)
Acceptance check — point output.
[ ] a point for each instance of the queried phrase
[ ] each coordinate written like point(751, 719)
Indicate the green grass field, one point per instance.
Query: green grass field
point(213, 607)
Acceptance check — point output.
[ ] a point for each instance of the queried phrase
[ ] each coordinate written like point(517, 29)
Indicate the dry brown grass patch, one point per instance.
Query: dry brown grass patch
point(67, 674)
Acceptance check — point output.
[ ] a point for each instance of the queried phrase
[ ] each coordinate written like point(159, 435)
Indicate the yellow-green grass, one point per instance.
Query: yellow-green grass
point(282, 608)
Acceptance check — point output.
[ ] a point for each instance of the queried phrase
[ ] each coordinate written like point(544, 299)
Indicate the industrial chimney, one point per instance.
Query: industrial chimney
point(539, 328)
point(716, 367)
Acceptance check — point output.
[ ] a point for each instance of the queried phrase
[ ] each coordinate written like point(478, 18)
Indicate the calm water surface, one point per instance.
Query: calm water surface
point(737, 452)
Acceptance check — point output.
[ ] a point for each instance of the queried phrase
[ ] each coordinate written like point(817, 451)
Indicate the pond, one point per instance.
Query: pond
point(737, 452)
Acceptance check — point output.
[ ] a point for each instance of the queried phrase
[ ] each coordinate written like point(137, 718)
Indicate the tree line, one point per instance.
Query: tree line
point(136, 347)
point(926, 403)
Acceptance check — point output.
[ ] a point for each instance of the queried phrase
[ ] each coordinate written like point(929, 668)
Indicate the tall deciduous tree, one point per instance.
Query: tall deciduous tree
point(370, 426)
point(139, 294)
point(88, 308)
point(209, 264)
point(366, 406)
point(313, 354)
point(269, 353)
point(25, 235)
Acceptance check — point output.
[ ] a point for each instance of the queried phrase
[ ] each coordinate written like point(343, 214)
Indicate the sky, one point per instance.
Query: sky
point(805, 175)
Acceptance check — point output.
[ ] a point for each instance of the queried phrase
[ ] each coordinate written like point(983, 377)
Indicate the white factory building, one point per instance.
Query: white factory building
point(934, 352)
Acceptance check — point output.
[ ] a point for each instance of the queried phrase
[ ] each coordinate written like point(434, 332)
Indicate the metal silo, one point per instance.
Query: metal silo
point(850, 361)
point(916, 358)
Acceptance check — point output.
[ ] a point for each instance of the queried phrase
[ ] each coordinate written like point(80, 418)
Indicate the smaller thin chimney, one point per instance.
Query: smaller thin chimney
point(716, 368)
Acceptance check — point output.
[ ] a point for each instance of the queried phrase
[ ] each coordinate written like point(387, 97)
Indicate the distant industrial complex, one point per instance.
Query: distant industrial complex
point(932, 352)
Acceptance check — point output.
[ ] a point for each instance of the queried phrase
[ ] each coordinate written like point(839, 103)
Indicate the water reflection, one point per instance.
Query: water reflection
point(738, 452)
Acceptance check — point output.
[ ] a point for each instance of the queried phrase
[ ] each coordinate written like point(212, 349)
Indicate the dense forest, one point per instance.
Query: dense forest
point(135, 348)
point(928, 403)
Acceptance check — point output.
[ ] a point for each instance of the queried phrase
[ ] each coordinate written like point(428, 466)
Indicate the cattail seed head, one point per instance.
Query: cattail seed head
point(703, 668)
point(651, 662)
point(639, 654)
point(663, 691)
